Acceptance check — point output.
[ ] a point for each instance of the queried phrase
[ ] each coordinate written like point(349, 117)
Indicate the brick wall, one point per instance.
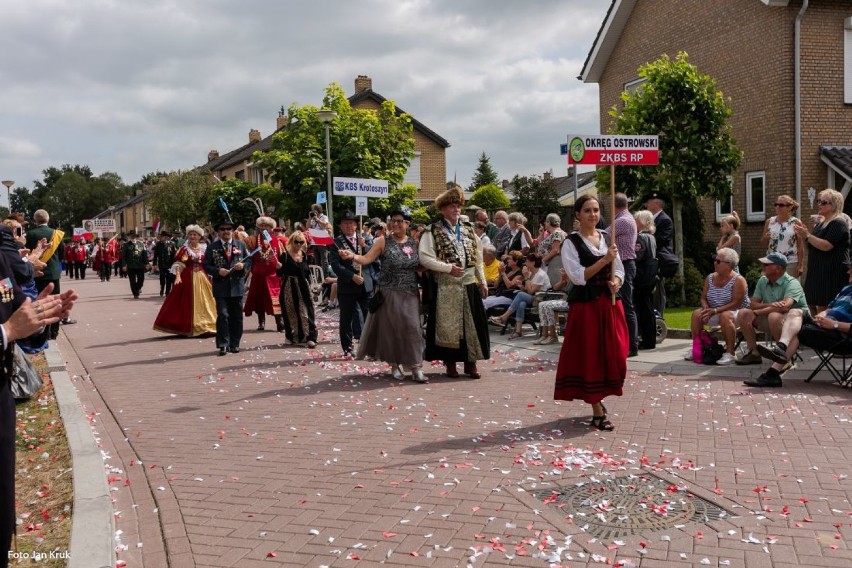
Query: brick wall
point(748, 48)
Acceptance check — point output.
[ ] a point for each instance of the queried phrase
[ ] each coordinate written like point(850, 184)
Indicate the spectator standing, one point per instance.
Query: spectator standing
point(319, 220)
point(779, 235)
point(55, 251)
point(550, 248)
point(501, 238)
point(490, 228)
point(520, 237)
point(664, 237)
point(828, 247)
point(625, 240)
point(645, 279)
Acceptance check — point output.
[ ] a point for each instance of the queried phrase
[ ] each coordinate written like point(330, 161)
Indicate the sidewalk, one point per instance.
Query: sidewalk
point(289, 457)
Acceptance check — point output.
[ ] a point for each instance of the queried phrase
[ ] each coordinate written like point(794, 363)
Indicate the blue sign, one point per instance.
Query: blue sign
point(563, 149)
point(320, 197)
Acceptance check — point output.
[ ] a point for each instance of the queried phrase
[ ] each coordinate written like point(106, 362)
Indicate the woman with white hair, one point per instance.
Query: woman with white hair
point(520, 238)
point(550, 248)
point(189, 309)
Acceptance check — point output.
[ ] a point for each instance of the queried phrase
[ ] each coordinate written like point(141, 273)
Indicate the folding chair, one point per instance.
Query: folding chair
point(829, 345)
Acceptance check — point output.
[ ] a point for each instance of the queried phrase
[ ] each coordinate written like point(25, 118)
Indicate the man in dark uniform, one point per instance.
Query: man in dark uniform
point(227, 262)
point(353, 288)
point(134, 262)
point(50, 273)
point(664, 236)
point(164, 257)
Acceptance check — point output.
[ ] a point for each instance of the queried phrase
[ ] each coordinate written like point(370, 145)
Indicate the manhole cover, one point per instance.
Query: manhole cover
point(626, 506)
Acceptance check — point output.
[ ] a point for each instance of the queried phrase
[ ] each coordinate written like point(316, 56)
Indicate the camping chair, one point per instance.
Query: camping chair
point(316, 282)
point(829, 345)
point(531, 313)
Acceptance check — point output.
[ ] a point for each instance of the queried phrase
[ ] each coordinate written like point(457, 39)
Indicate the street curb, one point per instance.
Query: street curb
point(93, 523)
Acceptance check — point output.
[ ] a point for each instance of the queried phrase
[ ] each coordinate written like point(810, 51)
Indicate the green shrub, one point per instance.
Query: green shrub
point(694, 286)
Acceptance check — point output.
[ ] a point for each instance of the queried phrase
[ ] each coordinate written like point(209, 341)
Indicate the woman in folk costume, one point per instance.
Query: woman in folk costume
point(593, 361)
point(265, 286)
point(189, 309)
point(298, 304)
point(456, 326)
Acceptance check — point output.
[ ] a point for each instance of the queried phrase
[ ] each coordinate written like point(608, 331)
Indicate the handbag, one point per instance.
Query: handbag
point(26, 380)
point(376, 301)
point(706, 349)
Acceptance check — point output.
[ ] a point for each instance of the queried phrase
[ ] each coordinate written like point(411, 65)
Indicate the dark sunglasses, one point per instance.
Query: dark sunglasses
point(782, 205)
point(298, 242)
point(720, 261)
point(823, 202)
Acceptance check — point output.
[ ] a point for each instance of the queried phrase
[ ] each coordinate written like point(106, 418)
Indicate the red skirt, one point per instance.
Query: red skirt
point(593, 361)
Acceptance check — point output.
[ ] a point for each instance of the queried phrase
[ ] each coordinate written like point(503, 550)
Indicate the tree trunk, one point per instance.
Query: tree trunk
point(678, 244)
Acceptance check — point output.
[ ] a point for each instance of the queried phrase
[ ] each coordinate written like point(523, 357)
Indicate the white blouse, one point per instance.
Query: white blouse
point(571, 260)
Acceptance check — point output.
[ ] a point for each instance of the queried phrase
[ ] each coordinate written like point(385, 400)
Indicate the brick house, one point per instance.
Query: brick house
point(427, 171)
point(751, 48)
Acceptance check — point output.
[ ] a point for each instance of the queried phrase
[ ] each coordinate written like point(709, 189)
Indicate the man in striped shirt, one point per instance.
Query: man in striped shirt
point(625, 240)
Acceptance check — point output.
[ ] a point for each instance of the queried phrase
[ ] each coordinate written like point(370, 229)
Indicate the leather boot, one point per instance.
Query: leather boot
point(471, 370)
point(451, 369)
point(279, 323)
point(261, 321)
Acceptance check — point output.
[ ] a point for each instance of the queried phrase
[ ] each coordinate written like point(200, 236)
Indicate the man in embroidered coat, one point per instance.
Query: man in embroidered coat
point(456, 326)
point(226, 261)
point(134, 262)
point(164, 257)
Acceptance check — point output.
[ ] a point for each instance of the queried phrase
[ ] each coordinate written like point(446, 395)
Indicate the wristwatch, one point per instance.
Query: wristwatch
point(836, 324)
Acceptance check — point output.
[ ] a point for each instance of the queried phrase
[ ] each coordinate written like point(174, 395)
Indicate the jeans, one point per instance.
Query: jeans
point(519, 305)
point(627, 302)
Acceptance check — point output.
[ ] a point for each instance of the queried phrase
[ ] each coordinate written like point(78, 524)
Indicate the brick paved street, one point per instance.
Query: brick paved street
point(281, 456)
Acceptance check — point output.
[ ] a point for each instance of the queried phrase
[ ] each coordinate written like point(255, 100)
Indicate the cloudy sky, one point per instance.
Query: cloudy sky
point(136, 86)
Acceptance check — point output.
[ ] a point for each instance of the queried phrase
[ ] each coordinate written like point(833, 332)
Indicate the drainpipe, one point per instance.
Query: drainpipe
point(797, 87)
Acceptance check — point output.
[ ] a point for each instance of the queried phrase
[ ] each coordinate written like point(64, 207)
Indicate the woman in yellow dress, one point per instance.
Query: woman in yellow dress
point(189, 308)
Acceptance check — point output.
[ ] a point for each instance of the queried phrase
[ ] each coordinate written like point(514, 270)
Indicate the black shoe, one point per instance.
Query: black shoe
point(633, 353)
point(235, 349)
point(222, 351)
point(771, 378)
point(348, 353)
point(68, 321)
point(777, 352)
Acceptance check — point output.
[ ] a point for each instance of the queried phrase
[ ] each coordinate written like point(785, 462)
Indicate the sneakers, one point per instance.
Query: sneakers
point(770, 379)
point(777, 352)
point(750, 358)
point(688, 355)
point(726, 359)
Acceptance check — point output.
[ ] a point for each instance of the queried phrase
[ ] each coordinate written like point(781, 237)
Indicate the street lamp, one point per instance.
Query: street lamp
point(8, 183)
point(326, 116)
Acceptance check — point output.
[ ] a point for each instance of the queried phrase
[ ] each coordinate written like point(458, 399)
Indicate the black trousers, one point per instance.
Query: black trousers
point(137, 279)
point(80, 269)
point(229, 321)
point(643, 301)
point(167, 279)
point(353, 311)
point(7, 468)
point(106, 269)
point(41, 284)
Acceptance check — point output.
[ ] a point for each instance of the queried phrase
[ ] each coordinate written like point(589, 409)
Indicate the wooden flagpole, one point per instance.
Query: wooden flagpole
point(612, 220)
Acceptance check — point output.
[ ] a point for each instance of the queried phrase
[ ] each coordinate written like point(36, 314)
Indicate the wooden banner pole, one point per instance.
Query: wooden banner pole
point(612, 219)
point(358, 238)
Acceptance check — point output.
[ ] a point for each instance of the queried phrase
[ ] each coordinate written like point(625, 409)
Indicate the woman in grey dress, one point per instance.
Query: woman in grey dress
point(393, 333)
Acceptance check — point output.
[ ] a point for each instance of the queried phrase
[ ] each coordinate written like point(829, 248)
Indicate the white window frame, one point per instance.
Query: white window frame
point(719, 212)
point(752, 213)
point(847, 61)
point(633, 85)
point(413, 174)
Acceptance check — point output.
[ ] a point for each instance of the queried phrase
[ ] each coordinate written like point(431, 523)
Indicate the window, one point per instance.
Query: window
point(634, 85)
point(847, 61)
point(412, 176)
point(241, 174)
point(726, 206)
point(256, 175)
point(755, 196)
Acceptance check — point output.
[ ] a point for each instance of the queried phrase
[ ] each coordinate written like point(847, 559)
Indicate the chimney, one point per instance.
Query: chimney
point(505, 183)
point(547, 176)
point(363, 83)
point(254, 135)
point(212, 155)
point(283, 120)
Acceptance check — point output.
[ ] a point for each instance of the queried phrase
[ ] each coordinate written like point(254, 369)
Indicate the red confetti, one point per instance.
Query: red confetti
point(271, 555)
point(388, 534)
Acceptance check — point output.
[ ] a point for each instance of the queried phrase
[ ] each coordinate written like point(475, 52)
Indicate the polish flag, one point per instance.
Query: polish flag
point(320, 236)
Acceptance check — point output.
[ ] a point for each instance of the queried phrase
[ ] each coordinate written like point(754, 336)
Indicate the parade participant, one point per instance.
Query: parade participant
point(779, 235)
point(164, 257)
point(456, 326)
point(593, 363)
point(108, 255)
point(295, 298)
point(392, 332)
point(226, 261)
point(354, 286)
point(134, 262)
point(68, 260)
point(265, 286)
point(55, 251)
point(189, 309)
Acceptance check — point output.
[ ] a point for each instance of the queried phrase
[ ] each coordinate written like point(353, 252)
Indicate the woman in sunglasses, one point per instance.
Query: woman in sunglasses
point(297, 305)
point(828, 245)
point(779, 235)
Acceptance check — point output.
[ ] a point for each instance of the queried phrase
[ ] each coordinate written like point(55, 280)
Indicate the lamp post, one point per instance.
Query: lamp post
point(326, 116)
point(8, 183)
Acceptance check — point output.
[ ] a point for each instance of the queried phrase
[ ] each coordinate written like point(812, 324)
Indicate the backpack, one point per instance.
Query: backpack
point(706, 349)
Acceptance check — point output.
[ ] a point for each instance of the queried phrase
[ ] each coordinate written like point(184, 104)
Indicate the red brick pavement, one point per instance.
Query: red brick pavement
point(290, 457)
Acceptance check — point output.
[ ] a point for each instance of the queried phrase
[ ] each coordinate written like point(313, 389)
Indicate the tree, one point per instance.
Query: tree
point(490, 197)
point(697, 152)
point(535, 197)
point(484, 174)
point(236, 194)
point(180, 198)
point(76, 195)
point(363, 144)
point(23, 201)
